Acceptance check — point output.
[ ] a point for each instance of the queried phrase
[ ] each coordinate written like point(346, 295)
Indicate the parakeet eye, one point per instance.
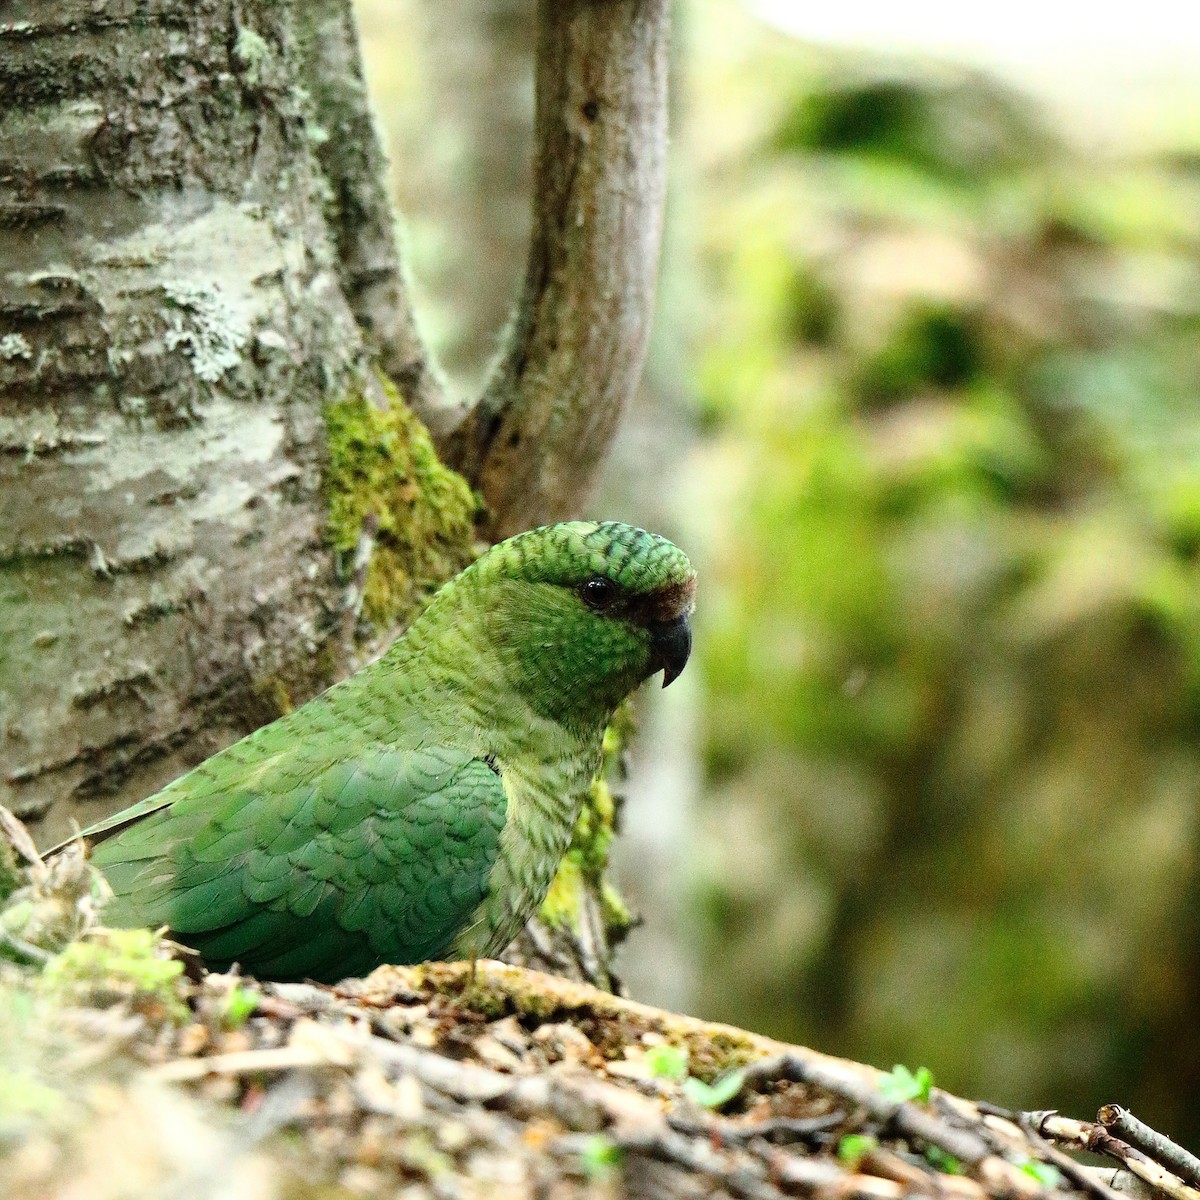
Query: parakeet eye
point(598, 593)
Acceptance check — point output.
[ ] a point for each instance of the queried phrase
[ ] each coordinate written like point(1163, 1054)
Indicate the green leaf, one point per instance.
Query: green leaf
point(854, 1147)
point(902, 1085)
point(600, 1156)
point(717, 1094)
point(937, 1158)
point(667, 1062)
point(1046, 1174)
point(240, 1004)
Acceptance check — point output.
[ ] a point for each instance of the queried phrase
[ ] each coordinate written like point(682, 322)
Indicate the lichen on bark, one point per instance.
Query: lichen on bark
point(179, 307)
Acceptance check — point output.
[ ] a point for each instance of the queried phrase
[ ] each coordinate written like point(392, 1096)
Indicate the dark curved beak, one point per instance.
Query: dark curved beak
point(671, 643)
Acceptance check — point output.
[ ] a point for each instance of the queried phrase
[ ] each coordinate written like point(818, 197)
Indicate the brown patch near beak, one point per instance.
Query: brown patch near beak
point(660, 607)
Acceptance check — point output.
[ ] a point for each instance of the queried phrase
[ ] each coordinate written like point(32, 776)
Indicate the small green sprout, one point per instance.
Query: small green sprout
point(240, 1003)
point(667, 1062)
point(939, 1160)
point(132, 961)
point(854, 1147)
point(599, 1156)
point(714, 1095)
point(901, 1085)
point(1046, 1174)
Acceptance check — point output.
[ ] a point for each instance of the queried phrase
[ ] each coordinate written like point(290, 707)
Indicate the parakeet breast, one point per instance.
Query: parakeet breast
point(544, 799)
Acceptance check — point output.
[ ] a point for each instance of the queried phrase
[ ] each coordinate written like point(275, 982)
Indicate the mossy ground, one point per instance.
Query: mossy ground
point(123, 1075)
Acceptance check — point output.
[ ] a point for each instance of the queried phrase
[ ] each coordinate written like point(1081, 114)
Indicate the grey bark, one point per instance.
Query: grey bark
point(358, 206)
point(173, 317)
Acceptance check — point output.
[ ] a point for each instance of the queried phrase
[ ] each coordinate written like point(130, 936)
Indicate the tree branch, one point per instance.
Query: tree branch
point(1094, 1137)
point(1122, 1123)
point(574, 353)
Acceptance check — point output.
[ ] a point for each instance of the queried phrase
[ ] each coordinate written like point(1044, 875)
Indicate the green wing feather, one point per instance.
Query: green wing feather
point(296, 867)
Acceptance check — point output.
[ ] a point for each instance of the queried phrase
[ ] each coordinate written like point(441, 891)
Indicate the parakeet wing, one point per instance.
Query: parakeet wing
point(381, 856)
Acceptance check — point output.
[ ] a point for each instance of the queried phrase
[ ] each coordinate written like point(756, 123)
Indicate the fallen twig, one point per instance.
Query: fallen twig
point(698, 1157)
point(855, 1085)
point(1089, 1135)
point(243, 1062)
point(18, 837)
point(775, 1130)
point(24, 950)
point(1140, 1136)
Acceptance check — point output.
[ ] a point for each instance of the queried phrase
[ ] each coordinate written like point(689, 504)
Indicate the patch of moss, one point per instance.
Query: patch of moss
point(274, 691)
point(116, 964)
point(382, 462)
point(274, 694)
point(935, 345)
point(617, 915)
point(609, 1022)
point(561, 906)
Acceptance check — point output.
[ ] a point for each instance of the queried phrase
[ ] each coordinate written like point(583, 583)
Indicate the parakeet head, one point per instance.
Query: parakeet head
point(579, 614)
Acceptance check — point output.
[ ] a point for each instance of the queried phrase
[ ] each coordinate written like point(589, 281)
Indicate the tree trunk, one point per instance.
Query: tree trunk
point(192, 270)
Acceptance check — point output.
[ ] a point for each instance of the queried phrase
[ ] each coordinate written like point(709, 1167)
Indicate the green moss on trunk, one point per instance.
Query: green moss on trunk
point(382, 462)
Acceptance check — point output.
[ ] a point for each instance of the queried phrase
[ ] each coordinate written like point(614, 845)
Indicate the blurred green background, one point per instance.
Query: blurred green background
point(924, 402)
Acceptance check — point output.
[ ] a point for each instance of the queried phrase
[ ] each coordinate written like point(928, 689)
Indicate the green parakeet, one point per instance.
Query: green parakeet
point(420, 808)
